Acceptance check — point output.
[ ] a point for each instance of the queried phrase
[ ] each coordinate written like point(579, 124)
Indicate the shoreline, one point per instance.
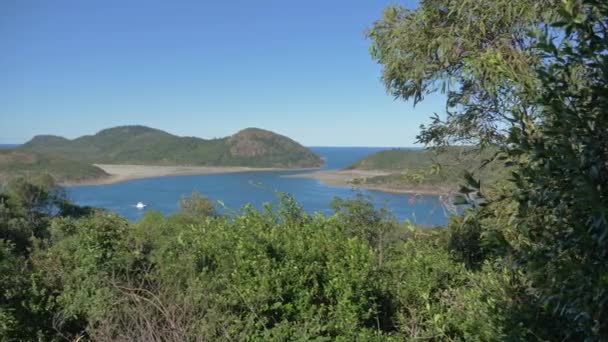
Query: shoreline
point(344, 178)
point(125, 172)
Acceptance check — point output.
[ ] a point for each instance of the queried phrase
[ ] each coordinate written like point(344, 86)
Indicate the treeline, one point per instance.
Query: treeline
point(437, 170)
point(71, 273)
point(142, 145)
point(21, 162)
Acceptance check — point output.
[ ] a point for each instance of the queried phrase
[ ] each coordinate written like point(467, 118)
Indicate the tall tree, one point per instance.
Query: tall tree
point(562, 178)
point(476, 52)
point(532, 77)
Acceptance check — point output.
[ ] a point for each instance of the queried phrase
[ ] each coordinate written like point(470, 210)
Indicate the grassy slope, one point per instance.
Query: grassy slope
point(425, 169)
point(26, 163)
point(143, 145)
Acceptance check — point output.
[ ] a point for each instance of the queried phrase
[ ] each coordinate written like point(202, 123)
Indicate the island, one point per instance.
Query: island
point(415, 170)
point(128, 152)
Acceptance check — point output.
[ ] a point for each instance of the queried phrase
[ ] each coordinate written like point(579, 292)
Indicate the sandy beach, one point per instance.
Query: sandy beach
point(338, 177)
point(123, 172)
point(345, 178)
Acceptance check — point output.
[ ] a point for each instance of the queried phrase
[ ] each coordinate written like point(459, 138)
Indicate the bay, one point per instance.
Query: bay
point(235, 190)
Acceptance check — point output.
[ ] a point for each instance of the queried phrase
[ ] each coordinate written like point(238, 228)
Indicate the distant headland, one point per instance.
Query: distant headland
point(128, 152)
point(419, 171)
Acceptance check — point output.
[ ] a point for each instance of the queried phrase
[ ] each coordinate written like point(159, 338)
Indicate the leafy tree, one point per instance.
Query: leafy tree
point(13, 285)
point(477, 52)
point(26, 206)
point(29, 211)
point(358, 217)
point(562, 176)
point(196, 205)
point(529, 76)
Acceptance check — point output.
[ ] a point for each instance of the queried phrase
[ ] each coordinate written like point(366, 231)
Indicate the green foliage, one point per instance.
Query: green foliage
point(197, 205)
point(422, 272)
point(276, 274)
point(22, 163)
point(271, 275)
point(477, 52)
point(438, 170)
point(530, 77)
point(395, 160)
point(13, 285)
point(561, 179)
point(358, 218)
point(28, 210)
point(26, 206)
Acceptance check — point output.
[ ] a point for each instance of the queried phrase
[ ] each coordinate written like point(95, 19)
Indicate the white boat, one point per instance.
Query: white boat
point(140, 205)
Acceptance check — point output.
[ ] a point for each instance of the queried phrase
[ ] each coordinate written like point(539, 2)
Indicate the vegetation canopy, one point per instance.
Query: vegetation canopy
point(529, 78)
point(527, 82)
point(479, 53)
point(143, 145)
point(440, 171)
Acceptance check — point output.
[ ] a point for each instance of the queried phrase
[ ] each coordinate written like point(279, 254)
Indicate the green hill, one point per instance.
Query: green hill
point(395, 160)
point(250, 147)
point(27, 163)
point(428, 169)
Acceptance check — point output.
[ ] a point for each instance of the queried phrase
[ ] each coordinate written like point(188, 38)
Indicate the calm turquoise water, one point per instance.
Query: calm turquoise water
point(257, 188)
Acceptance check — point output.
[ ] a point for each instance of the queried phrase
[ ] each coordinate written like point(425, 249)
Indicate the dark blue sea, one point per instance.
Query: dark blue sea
point(235, 190)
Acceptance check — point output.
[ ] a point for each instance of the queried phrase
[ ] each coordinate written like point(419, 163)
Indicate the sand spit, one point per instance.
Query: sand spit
point(123, 172)
point(346, 177)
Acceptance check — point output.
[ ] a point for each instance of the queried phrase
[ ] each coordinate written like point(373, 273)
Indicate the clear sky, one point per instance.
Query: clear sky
point(199, 68)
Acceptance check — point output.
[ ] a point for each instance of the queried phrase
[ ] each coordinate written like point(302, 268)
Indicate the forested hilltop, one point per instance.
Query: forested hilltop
point(72, 160)
point(441, 170)
point(252, 147)
point(22, 162)
point(526, 262)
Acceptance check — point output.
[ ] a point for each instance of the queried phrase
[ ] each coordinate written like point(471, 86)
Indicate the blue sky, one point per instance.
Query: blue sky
point(199, 68)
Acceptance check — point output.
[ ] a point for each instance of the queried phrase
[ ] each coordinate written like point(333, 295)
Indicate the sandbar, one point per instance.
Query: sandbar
point(345, 178)
point(124, 172)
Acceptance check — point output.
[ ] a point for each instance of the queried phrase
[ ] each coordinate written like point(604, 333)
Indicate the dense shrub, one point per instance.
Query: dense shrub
point(275, 274)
